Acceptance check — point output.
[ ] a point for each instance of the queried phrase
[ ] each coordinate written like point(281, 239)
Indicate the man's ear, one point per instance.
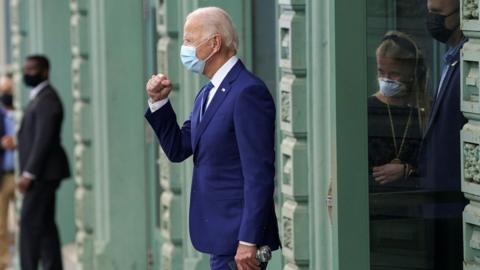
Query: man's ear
point(217, 42)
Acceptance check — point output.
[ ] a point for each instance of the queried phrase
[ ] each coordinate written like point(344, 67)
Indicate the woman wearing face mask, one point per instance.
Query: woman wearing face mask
point(397, 112)
point(396, 119)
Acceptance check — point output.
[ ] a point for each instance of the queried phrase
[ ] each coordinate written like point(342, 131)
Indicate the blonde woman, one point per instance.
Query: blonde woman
point(396, 112)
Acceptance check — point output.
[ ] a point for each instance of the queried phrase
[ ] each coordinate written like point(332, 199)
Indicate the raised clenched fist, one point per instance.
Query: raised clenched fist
point(158, 87)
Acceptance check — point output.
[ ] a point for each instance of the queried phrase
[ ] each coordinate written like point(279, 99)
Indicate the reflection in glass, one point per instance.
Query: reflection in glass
point(414, 123)
point(397, 114)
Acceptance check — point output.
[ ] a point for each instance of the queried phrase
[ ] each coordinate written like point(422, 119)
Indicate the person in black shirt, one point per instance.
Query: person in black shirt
point(397, 112)
point(396, 119)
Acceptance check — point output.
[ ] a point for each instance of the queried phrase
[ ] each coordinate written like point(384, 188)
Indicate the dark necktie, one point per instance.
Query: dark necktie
point(206, 91)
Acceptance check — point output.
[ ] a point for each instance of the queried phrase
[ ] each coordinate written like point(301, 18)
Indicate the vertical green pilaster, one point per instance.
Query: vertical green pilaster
point(349, 144)
point(470, 134)
point(337, 134)
point(108, 88)
point(292, 110)
point(321, 130)
point(55, 43)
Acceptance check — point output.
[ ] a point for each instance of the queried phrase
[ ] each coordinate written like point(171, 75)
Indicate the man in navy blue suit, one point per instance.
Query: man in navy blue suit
point(441, 146)
point(230, 133)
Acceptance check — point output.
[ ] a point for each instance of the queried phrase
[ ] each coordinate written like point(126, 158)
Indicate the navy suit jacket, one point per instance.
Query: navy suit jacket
point(440, 153)
point(440, 157)
point(233, 155)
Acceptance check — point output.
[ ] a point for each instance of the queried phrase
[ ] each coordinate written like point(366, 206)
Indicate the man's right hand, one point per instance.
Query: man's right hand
point(24, 184)
point(246, 258)
point(158, 87)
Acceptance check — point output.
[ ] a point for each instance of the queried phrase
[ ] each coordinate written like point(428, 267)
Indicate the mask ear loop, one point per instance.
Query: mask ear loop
point(213, 52)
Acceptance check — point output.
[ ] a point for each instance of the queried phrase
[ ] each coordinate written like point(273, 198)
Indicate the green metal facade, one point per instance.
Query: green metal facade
point(29, 35)
point(130, 202)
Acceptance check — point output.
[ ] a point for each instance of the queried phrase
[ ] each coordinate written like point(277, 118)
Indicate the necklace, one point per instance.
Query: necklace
point(398, 151)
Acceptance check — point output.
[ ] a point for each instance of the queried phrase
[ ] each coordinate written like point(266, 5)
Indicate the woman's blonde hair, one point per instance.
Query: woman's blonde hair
point(401, 47)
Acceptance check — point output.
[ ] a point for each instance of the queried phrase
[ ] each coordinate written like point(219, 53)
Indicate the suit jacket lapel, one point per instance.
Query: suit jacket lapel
point(445, 87)
point(222, 92)
point(31, 104)
point(194, 118)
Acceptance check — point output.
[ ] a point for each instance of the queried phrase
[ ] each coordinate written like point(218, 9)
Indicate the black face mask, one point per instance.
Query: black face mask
point(32, 80)
point(7, 100)
point(436, 26)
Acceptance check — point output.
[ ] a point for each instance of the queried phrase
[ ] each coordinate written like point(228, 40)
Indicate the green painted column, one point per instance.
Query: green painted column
point(321, 129)
point(108, 86)
point(349, 154)
point(154, 189)
point(337, 134)
point(55, 38)
point(470, 134)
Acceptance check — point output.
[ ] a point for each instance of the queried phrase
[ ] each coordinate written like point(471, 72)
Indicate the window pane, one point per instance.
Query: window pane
point(415, 211)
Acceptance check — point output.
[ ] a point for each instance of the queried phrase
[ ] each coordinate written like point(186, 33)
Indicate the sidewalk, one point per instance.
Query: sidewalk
point(69, 257)
point(68, 251)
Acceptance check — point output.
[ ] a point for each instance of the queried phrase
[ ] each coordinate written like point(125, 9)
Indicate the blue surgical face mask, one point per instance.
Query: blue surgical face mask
point(190, 61)
point(392, 88)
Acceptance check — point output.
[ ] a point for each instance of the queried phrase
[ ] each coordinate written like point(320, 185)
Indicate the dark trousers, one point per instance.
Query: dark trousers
point(448, 244)
point(226, 262)
point(39, 240)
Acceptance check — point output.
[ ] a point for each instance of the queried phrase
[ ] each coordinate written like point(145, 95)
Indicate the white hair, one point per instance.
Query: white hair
point(216, 20)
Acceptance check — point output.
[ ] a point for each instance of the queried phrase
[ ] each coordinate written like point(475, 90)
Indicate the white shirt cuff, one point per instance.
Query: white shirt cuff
point(155, 106)
point(247, 244)
point(28, 175)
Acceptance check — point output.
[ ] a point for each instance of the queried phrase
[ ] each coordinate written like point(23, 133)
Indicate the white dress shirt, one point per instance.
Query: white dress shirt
point(217, 79)
point(35, 91)
point(33, 94)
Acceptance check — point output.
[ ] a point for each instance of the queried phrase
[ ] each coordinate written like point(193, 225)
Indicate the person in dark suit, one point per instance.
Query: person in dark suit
point(43, 164)
point(440, 153)
point(231, 135)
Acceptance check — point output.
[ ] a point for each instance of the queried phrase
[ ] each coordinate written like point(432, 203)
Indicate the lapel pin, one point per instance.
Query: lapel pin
point(223, 89)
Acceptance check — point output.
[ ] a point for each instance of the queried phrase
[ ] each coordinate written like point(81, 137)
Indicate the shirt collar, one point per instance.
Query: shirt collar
point(35, 91)
point(453, 53)
point(222, 72)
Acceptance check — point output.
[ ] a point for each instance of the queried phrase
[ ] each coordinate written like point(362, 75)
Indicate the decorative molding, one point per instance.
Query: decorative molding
point(291, 95)
point(470, 133)
point(171, 211)
point(470, 9)
point(82, 125)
